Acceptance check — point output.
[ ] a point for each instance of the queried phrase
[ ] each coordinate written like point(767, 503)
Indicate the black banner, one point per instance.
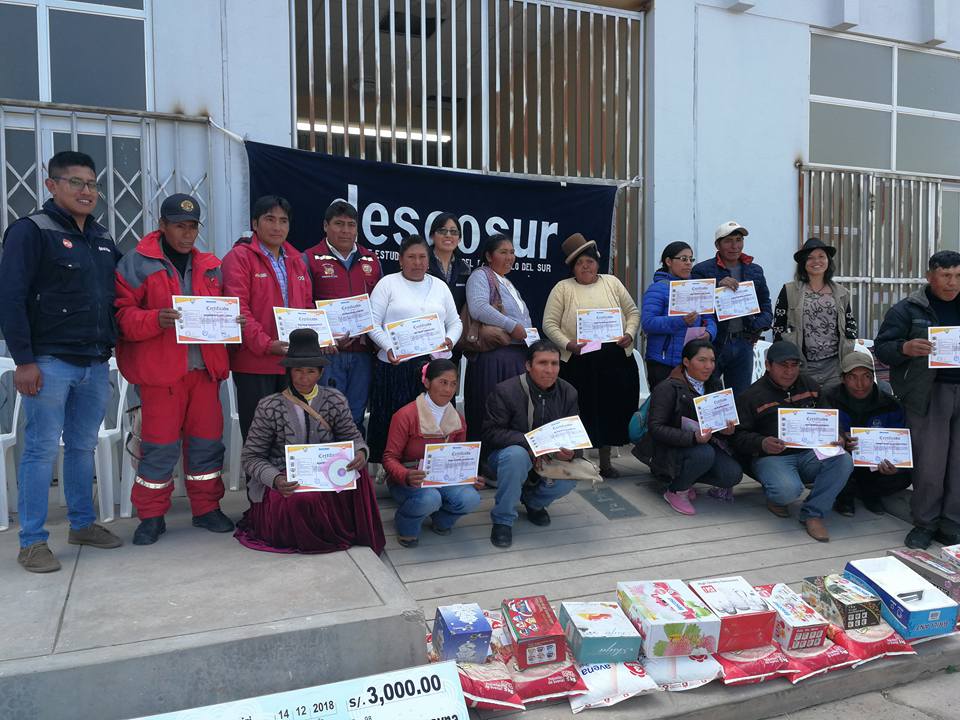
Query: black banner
point(397, 200)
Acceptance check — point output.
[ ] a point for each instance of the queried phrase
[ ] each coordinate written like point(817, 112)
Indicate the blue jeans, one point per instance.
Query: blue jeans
point(511, 466)
point(735, 364)
point(783, 478)
point(705, 464)
point(350, 373)
point(445, 505)
point(72, 402)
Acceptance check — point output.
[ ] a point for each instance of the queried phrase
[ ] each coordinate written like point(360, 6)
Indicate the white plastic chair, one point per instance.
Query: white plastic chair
point(8, 441)
point(642, 372)
point(759, 359)
point(105, 466)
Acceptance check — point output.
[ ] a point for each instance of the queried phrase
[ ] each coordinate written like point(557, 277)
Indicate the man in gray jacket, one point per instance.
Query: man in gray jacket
point(931, 398)
point(515, 407)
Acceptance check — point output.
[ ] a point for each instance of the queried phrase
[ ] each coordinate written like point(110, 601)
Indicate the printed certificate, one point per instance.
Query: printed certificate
point(451, 463)
point(807, 427)
point(566, 433)
point(321, 468)
point(207, 320)
point(715, 409)
point(533, 335)
point(946, 347)
point(290, 319)
point(737, 303)
point(874, 445)
point(599, 325)
point(417, 336)
point(348, 316)
point(688, 296)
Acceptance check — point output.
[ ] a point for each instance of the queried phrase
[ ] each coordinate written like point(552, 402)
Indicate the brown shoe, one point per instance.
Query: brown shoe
point(781, 511)
point(37, 558)
point(95, 536)
point(816, 529)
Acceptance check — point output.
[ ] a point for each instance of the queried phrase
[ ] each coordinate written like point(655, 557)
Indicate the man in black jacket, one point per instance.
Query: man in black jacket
point(56, 314)
point(542, 395)
point(931, 398)
point(784, 471)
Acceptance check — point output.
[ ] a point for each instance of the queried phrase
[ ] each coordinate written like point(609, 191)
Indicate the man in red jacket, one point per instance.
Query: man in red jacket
point(340, 267)
point(179, 384)
point(264, 271)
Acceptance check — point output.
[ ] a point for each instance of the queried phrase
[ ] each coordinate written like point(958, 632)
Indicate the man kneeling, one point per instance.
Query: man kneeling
point(515, 407)
point(783, 471)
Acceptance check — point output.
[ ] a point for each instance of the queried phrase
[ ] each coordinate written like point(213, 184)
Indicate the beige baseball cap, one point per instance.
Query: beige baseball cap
point(730, 226)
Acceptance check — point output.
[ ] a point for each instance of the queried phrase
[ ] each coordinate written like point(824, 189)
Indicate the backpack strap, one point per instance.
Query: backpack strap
point(307, 409)
point(526, 390)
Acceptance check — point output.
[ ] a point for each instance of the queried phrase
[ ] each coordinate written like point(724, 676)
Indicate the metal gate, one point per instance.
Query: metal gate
point(141, 158)
point(885, 227)
point(542, 89)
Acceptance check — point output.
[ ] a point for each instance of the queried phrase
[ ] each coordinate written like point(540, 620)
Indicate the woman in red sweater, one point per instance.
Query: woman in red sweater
point(428, 419)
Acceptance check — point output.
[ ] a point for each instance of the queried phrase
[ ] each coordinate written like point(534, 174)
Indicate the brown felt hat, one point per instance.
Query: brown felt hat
point(574, 246)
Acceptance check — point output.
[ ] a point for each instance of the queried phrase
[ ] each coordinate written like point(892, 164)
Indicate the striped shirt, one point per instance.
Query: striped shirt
point(280, 270)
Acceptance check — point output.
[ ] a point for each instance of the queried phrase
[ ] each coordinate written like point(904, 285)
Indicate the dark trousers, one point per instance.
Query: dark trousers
point(735, 364)
point(865, 484)
point(705, 464)
point(935, 502)
point(657, 373)
point(251, 389)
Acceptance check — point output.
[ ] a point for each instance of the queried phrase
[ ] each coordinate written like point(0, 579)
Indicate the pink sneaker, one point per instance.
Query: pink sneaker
point(692, 494)
point(680, 502)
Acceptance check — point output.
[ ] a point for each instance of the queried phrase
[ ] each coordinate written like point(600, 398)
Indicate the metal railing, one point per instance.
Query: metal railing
point(543, 89)
point(885, 226)
point(141, 158)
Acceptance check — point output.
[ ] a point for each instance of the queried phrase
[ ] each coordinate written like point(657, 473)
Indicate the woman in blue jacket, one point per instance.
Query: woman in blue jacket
point(666, 335)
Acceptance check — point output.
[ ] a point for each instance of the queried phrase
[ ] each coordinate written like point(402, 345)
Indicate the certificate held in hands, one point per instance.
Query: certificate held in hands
point(599, 325)
point(737, 303)
point(348, 316)
point(874, 445)
point(417, 336)
point(207, 320)
point(687, 296)
point(946, 347)
point(321, 468)
point(290, 319)
point(715, 409)
point(808, 427)
point(451, 463)
point(564, 434)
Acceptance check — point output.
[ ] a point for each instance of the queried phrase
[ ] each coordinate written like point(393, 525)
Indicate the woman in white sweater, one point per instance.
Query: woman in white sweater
point(407, 294)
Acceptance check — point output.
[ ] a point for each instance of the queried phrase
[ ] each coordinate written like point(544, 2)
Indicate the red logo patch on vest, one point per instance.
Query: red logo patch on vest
point(67, 244)
point(329, 270)
point(367, 269)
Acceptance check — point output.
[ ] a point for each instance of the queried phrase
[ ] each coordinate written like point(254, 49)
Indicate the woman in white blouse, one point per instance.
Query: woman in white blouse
point(407, 294)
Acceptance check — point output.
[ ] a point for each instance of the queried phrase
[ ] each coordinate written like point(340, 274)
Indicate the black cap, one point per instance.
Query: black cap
point(304, 350)
point(814, 244)
point(783, 350)
point(180, 207)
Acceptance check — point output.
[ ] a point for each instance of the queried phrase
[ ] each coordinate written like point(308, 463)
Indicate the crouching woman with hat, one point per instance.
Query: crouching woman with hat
point(280, 519)
point(814, 313)
point(606, 380)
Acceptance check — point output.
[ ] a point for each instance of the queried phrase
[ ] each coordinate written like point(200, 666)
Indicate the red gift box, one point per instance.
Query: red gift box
point(746, 621)
point(534, 630)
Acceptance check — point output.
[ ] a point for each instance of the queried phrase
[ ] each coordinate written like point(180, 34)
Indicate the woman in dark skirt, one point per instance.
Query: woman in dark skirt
point(494, 300)
point(280, 519)
point(607, 380)
point(406, 294)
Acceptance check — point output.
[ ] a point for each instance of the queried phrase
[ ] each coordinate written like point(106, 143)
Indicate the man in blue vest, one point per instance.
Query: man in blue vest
point(56, 315)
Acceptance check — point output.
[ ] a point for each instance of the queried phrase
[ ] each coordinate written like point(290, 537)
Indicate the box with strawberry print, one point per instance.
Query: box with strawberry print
point(672, 620)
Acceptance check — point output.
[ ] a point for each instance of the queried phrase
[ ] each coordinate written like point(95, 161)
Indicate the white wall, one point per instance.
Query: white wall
point(727, 112)
point(230, 59)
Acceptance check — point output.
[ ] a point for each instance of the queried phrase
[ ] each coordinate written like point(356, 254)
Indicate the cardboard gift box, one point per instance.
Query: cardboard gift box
point(941, 573)
point(798, 625)
point(746, 621)
point(461, 633)
point(911, 605)
point(672, 620)
point(951, 553)
point(534, 631)
point(599, 632)
point(842, 601)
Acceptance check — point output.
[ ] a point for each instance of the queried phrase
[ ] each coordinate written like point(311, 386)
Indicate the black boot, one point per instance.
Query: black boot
point(919, 538)
point(149, 531)
point(214, 521)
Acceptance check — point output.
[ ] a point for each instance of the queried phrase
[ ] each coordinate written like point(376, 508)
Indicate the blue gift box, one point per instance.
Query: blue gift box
point(910, 604)
point(461, 633)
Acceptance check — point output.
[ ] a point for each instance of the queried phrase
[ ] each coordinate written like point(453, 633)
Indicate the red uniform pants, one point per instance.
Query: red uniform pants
point(187, 413)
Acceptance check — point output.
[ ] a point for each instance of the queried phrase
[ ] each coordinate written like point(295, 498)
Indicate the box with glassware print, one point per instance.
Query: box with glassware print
point(746, 621)
point(672, 620)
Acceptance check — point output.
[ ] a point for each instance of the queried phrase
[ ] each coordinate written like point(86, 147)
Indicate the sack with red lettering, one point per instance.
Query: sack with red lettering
point(682, 673)
point(869, 643)
point(487, 686)
point(803, 664)
point(546, 682)
point(610, 683)
point(744, 667)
